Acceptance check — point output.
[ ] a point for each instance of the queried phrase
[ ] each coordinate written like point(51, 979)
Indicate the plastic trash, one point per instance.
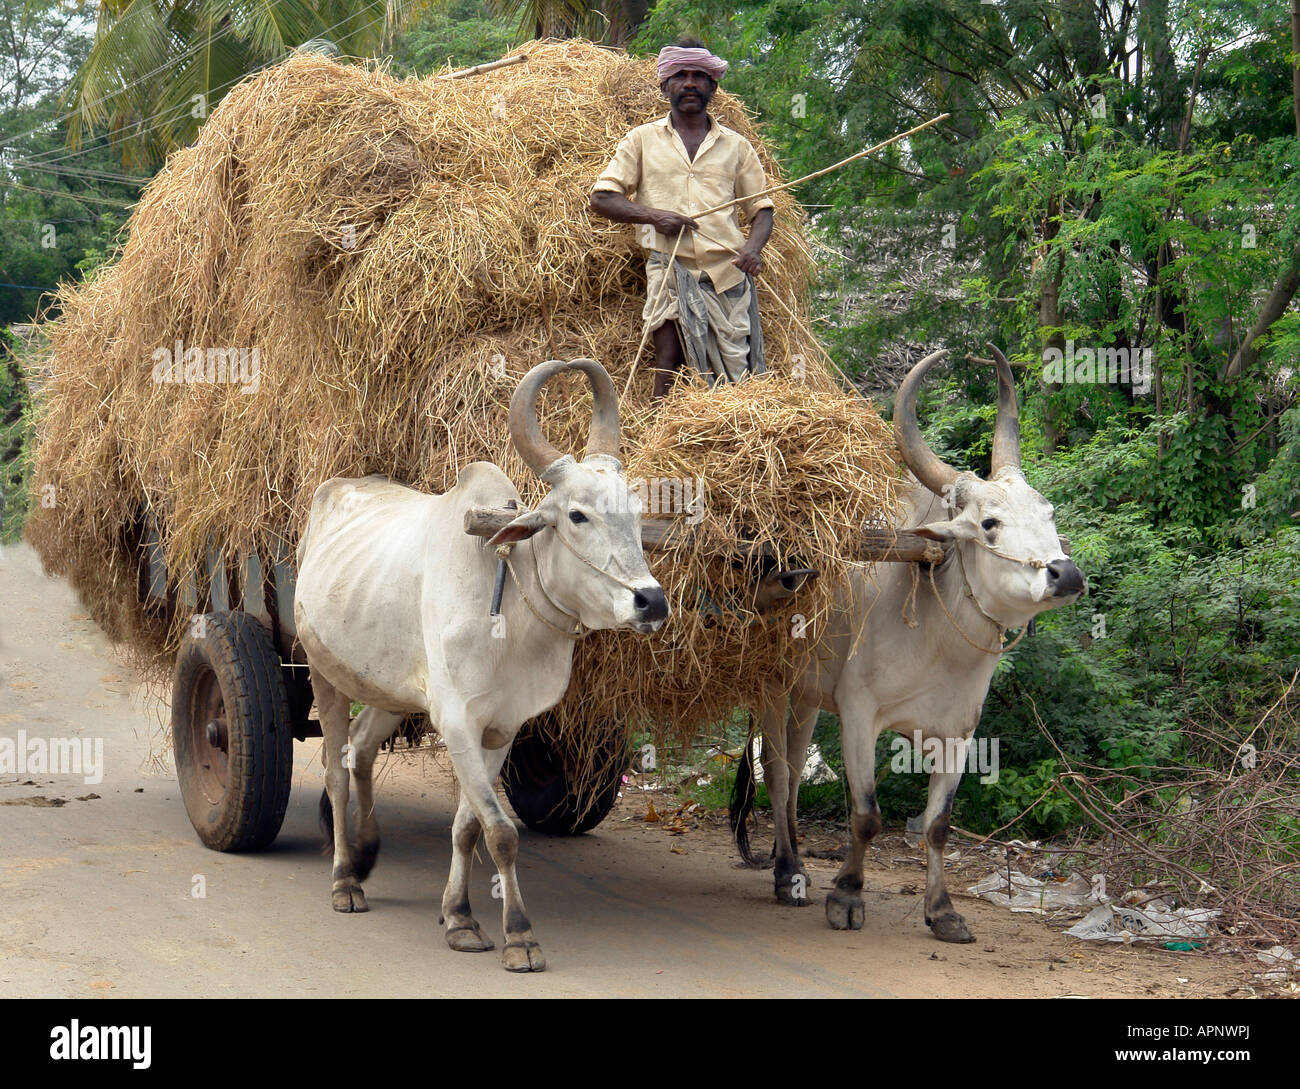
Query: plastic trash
point(1125, 923)
point(815, 769)
point(1031, 895)
point(1282, 963)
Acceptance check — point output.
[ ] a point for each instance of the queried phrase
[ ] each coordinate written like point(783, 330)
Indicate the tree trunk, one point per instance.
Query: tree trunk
point(625, 18)
point(1289, 282)
point(1049, 314)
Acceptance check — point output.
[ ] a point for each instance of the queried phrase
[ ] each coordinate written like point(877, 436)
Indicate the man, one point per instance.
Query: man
point(663, 176)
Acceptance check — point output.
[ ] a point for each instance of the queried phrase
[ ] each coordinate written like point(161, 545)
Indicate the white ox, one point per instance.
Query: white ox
point(392, 605)
point(930, 676)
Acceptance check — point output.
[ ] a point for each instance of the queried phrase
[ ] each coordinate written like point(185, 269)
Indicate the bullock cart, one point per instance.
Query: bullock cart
point(242, 692)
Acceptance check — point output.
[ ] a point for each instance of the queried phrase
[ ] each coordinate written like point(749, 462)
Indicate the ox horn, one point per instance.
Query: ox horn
point(604, 433)
point(526, 428)
point(1006, 433)
point(926, 466)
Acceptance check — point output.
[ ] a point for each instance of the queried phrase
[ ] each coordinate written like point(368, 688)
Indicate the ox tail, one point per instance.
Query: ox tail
point(327, 822)
point(743, 793)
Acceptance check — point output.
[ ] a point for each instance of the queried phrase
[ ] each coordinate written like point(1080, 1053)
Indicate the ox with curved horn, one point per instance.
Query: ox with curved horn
point(926, 466)
point(393, 610)
point(919, 661)
point(1006, 433)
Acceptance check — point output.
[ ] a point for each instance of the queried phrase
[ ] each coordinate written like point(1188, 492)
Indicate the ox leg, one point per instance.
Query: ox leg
point(332, 707)
point(774, 721)
point(462, 932)
point(844, 907)
point(940, 916)
point(791, 881)
point(476, 771)
point(372, 728)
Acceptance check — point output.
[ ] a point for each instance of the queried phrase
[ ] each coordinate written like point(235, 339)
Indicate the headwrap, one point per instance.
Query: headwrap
point(674, 58)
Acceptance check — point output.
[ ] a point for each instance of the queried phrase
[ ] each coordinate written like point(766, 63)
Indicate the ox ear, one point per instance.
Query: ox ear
point(956, 530)
point(523, 527)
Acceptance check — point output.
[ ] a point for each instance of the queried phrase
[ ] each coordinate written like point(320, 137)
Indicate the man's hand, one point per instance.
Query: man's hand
point(617, 207)
point(669, 223)
point(749, 259)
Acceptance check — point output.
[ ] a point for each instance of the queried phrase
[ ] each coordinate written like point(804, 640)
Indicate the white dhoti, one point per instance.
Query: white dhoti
point(720, 331)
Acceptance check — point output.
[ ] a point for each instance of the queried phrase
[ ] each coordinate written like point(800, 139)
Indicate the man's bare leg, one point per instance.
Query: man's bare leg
point(669, 357)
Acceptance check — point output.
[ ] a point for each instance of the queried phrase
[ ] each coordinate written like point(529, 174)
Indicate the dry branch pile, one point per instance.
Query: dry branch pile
point(1219, 830)
point(397, 254)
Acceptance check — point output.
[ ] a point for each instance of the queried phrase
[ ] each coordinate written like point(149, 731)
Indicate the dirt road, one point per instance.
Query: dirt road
point(97, 882)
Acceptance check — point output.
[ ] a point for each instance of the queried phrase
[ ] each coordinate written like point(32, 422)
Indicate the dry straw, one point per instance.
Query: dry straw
point(400, 253)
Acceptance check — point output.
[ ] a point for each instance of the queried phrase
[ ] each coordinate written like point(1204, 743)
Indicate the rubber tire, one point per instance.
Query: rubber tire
point(537, 786)
point(240, 652)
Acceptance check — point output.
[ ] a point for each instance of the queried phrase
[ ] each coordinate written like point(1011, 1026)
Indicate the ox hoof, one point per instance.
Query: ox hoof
point(951, 928)
point(845, 912)
point(350, 900)
point(523, 955)
point(785, 891)
point(468, 939)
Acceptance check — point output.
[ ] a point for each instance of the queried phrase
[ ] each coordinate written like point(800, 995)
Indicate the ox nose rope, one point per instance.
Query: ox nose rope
point(599, 570)
point(580, 631)
point(969, 591)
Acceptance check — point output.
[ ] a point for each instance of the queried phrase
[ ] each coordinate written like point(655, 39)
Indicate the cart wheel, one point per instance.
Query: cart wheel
point(232, 732)
point(538, 787)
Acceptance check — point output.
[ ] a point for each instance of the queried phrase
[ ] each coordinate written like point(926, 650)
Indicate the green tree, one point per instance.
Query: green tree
point(52, 206)
point(157, 69)
point(459, 33)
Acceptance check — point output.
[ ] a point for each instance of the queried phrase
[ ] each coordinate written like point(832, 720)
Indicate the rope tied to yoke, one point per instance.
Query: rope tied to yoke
point(969, 591)
point(580, 631)
point(504, 552)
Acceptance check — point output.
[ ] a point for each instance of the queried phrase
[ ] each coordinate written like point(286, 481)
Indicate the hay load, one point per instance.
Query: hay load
point(380, 261)
point(765, 461)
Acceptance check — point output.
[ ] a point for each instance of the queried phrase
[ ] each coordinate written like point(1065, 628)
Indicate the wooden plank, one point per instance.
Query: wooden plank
point(872, 545)
point(490, 66)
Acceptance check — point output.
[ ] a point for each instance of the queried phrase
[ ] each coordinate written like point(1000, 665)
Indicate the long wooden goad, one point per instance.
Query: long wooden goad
point(870, 545)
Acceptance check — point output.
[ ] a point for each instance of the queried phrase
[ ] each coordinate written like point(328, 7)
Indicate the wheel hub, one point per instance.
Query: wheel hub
point(215, 733)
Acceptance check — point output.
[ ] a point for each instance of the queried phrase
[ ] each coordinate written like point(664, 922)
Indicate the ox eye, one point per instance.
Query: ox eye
point(989, 524)
point(577, 517)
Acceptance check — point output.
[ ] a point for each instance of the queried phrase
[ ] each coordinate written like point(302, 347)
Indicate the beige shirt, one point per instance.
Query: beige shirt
point(651, 166)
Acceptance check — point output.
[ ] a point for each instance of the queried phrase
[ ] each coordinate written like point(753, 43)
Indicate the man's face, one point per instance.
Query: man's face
point(689, 90)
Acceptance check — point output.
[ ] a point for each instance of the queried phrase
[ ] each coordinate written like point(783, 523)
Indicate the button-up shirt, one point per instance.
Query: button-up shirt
point(652, 167)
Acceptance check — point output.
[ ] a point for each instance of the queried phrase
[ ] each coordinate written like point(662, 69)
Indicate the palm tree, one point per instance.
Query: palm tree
point(615, 21)
point(159, 67)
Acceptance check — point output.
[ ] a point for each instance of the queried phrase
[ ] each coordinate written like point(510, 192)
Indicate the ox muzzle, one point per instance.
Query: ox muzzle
point(651, 608)
point(1064, 579)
